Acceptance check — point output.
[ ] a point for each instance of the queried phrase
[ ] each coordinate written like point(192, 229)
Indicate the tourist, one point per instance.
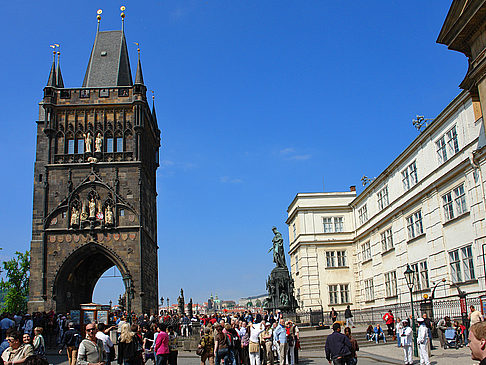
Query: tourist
point(107, 344)
point(477, 342)
point(292, 342)
point(398, 331)
point(267, 337)
point(221, 350)
point(39, 343)
point(18, 351)
point(389, 321)
point(475, 316)
point(442, 325)
point(406, 341)
point(173, 352)
point(338, 347)
point(245, 342)
point(5, 324)
point(333, 315)
point(27, 339)
point(91, 349)
point(207, 343)
point(161, 346)
point(349, 317)
point(422, 342)
point(354, 347)
point(370, 333)
point(71, 340)
point(280, 336)
point(254, 348)
point(378, 334)
point(461, 333)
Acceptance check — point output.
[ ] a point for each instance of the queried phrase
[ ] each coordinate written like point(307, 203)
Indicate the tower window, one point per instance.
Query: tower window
point(104, 93)
point(119, 144)
point(70, 146)
point(40, 177)
point(122, 212)
point(80, 146)
point(109, 144)
point(84, 93)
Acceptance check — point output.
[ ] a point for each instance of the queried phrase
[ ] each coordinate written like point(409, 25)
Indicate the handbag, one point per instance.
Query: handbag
point(200, 351)
point(254, 347)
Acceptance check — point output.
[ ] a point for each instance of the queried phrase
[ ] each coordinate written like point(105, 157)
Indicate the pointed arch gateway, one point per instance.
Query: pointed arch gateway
point(77, 277)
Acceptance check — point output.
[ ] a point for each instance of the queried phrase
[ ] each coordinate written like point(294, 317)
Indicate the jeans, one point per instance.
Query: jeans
point(162, 359)
point(224, 354)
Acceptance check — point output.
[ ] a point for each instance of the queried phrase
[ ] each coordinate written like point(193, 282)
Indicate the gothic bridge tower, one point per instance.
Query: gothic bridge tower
point(95, 184)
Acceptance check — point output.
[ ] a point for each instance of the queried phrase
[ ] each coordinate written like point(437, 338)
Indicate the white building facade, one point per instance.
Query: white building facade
point(426, 209)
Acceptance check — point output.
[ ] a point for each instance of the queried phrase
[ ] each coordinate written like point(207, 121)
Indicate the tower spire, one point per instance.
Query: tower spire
point(153, 107)
point(60, 81)
point(99, 12)
point(122, 8)
point(139, 75)
point(52, 75)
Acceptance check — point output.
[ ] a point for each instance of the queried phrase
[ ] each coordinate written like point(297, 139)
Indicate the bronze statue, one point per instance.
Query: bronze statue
point(180, 301)
point(278, 249)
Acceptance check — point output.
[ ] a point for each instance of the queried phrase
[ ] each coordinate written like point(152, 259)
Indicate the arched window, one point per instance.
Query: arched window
point(118, 142)
point(79, 143)
point(70, 144)
point(109, 142)
point(59, 143)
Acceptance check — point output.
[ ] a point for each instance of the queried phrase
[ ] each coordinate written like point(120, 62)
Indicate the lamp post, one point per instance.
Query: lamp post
point(127, 280)
point(410, 278)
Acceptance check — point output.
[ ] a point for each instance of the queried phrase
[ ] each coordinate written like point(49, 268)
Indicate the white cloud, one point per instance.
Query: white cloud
point(300, 157)
point(287, 151)
point(290, 153)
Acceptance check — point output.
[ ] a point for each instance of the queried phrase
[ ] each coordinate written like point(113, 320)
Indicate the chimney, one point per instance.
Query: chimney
point(352, 188)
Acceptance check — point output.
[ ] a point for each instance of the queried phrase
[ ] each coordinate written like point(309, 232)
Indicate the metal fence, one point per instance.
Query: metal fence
point(435, 309)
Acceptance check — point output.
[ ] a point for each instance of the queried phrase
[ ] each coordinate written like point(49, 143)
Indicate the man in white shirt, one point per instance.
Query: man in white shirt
point(406, 341)
point(422, 342)
point(107, 343)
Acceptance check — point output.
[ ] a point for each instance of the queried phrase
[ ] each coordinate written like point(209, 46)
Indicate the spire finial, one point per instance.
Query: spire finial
point(122, 9)
point(99, 12)
point(52, 75)
point(153, 98)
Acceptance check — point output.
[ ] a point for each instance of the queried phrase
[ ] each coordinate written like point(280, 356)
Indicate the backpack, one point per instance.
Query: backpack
point(229, 340)
point(232, 339)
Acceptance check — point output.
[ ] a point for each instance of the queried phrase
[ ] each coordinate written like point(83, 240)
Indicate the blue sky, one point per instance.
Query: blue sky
point(256, 101)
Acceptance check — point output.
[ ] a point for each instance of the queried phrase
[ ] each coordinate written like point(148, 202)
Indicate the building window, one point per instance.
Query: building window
point(382, 196)
point(341, 258)
point(447, 145)
point(363, 214)
point(369, 291)
point(421, 276)
point(109, 144)
point(409, 176)
point(391, 284)
point(366, 251)
point(330, 259)
point(104, 93)
point(387, 240)
point(454, 203)
point(344, 289)
point(122, 212)
point(333, 224)
point(336, 258)
point(327, 222)
point(119, 144)
point(414, 225)
point(462, 264)
point(70, 146)
point(81, 146)
point(296, 263)
point(333, 294)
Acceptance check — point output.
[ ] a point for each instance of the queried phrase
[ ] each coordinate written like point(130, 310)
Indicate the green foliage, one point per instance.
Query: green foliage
point(16, 283)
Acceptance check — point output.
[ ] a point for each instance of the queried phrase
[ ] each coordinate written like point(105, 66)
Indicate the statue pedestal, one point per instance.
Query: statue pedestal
point(280, 288)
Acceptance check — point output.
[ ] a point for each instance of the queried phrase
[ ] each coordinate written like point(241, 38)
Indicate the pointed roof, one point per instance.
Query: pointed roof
point(139, 75)
point(108, 64)
point(60, 81)
point(52, 75)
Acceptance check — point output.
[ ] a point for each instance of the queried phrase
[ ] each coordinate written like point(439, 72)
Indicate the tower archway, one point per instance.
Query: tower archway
point(77, 277)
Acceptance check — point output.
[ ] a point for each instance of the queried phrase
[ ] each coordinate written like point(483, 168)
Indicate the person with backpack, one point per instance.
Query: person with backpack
point(71, 340)
point(221, 347)
point(234, 343)
point(207, 344)
point(128, 346)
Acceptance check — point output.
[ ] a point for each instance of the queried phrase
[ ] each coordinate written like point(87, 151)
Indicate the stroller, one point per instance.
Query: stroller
point(451, 338)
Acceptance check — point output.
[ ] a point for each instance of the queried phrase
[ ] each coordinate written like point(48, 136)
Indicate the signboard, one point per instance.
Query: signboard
point(102, 317)
point(463, 305)
point(88, 317)
point(483, 304)
point(75, 316)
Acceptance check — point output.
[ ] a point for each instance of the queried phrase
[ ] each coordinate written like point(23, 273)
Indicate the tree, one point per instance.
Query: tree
point(16, 283)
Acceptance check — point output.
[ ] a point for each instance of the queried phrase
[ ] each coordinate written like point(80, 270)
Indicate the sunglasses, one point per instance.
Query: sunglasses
point(90, 329)
point(10, 339)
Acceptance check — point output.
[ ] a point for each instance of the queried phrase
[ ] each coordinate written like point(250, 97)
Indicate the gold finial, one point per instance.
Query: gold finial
point(99, 12)
point(122, 8)
point(153, 94)
point(138, 47)
point(53, 46)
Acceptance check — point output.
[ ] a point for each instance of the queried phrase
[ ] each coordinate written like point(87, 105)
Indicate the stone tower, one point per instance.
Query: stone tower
point(95, 184)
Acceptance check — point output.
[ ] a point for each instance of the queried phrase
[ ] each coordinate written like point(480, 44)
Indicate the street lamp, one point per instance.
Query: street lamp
point(127, 280)
point(410, 278)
